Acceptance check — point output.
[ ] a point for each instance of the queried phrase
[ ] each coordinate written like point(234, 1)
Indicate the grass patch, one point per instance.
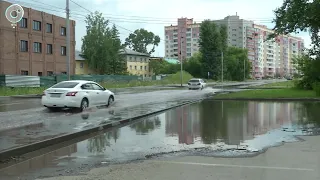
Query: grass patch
point(6, 91)
point(270, 93)
point(171, 79)
point(285, 84)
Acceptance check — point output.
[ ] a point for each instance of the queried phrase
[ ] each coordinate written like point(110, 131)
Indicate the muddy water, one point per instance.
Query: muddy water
point(209, 128)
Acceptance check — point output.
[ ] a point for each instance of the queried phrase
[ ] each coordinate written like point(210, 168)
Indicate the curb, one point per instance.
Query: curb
point(27, 96)
point(268, 99)
point(7, 154)
point(257, 88)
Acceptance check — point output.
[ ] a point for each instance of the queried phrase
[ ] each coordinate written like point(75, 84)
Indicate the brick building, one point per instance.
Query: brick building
point(37, 46)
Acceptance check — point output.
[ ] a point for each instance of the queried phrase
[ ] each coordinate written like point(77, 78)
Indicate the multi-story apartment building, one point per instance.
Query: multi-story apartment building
point(37, 45)
point(182, 38)
point(268, 58)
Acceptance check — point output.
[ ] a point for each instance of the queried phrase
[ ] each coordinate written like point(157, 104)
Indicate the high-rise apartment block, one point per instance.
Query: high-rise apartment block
point(184, 37)
point(268, 58)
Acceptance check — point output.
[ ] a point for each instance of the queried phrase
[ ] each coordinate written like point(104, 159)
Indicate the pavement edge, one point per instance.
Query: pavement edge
point(7, 154)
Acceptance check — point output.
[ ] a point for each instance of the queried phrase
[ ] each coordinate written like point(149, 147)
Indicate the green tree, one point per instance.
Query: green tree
point(193, 65)
point(119, 63)
point(309, 68)
point(101, 46)
point(140, 39)
point(212, 42)
point(156, 66)
point(299, 15)
point(237, 64)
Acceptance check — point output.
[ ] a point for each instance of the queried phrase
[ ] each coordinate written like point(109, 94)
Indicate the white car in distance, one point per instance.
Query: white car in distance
point(196, 84)
point(78, 94)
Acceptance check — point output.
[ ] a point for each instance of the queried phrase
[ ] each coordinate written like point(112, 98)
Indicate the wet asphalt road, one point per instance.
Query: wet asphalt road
point(205, 129)
point(18, 104)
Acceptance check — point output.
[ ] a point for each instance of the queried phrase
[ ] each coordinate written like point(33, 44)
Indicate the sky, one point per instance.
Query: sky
point(153, 15)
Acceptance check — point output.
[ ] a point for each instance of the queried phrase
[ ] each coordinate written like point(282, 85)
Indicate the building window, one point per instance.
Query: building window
point(140, 67)
point(63, 51)
point(24, 72)
point(63, 31)
point(141, 59)
point(36, 25)
point(23, 46)
point(49, 28)
point(130, 58)
point(135, 67)
point(49, 73)
point(130, 67)
point(23, 23)
point(49, 48)
point(37, 47)
point(145, 68)
point(81, 65)
point(39, 73)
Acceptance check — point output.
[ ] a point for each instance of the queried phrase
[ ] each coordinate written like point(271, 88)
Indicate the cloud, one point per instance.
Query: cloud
point(153, 15)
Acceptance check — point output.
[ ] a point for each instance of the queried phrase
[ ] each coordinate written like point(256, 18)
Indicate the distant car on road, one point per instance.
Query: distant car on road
point(78, 94)
point(196, 84)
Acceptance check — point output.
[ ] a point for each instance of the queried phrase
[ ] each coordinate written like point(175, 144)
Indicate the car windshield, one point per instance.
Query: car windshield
point(65, 85)
point(194, 80)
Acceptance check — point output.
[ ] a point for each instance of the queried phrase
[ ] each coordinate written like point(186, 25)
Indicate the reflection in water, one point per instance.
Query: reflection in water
point(46, 160)
point(231, 121)
point(98, 144)
point(147, 125)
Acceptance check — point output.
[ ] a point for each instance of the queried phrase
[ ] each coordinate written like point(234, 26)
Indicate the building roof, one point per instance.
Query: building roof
point(78, 57)
point(172, 61)
point(132, 52)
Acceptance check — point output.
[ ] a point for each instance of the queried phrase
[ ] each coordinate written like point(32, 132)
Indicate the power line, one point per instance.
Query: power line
point(129, 19)
point(91, 12)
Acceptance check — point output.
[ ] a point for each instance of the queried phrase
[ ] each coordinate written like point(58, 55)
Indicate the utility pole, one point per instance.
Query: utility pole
point(68, 37)
point(181, 76)
point(222, 68)
point(244, 70)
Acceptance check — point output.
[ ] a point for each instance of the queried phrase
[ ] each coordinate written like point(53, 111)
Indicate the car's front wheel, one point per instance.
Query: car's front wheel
point(110, 100)
point(84, 104)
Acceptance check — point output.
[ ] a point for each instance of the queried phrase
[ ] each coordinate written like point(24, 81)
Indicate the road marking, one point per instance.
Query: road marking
point(238, 166)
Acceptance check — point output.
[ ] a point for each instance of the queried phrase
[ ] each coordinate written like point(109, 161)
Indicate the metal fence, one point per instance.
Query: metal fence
point(46, 81)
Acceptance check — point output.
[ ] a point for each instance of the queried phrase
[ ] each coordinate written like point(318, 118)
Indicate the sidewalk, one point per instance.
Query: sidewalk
point(294, 161)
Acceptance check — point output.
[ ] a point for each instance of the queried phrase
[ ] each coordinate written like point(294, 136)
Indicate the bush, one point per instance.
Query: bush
point(316, 88)
point(303, 84)
point(176, 78)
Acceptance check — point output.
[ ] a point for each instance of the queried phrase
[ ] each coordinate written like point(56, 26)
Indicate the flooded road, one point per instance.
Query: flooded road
point(32, 127)
point(209, 128)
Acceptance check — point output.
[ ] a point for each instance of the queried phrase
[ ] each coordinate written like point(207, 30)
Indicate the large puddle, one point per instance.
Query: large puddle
point(209, 128)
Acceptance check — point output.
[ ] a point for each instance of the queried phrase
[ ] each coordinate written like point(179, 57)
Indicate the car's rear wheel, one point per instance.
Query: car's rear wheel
point(110, 100)
point(84, 104)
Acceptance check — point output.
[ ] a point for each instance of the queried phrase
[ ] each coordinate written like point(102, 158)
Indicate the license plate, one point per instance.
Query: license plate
point(55, 95)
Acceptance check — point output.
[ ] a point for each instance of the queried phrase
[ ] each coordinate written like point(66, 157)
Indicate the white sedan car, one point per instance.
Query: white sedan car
point(76, 94)
point(196, 84)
